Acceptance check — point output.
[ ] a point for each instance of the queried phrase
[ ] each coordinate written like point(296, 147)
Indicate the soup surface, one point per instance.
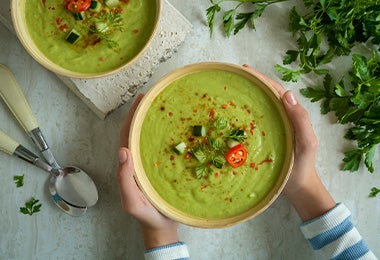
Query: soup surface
point(202, 98)
point(108, 38)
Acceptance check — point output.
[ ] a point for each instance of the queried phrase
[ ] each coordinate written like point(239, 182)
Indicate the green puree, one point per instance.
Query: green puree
point(46, 21)
point(187, 102)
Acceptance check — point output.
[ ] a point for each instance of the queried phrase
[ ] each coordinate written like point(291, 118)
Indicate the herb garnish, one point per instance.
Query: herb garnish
point(104, 26)
point(32, 206)
point(210, 150)
point(19, 180)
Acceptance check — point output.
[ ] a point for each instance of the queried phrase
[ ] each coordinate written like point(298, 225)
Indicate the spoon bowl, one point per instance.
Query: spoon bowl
point(11, 147)
point(71, 183)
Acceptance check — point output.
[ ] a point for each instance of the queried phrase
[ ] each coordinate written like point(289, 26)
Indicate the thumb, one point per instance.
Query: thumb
point(304, 133)
point(130, 193)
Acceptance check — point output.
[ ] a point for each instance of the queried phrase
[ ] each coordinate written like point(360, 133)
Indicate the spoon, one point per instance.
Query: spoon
point(10, 146)
point(71, 183)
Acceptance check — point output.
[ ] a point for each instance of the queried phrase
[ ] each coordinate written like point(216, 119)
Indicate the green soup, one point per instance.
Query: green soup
point(49, 23)
point(189, 101)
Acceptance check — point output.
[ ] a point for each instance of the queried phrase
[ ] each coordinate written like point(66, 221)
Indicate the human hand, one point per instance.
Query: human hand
point(304, 187)
point(305, 139)
point(157, 229)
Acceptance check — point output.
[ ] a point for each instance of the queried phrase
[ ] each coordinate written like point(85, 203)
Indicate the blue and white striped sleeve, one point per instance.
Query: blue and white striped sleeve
point(335, 237)
point(175, 251)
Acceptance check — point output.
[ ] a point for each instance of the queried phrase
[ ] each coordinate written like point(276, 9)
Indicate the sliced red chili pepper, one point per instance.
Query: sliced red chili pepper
point(237, 155)
point(77, 6)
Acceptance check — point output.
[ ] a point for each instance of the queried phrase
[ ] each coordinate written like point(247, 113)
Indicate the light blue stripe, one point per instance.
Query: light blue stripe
point(332, 234)
point(354, 252)
point(164, 247)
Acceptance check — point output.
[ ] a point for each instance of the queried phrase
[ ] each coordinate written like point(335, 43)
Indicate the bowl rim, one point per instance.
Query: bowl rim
point(18, 20)
point(142, 180)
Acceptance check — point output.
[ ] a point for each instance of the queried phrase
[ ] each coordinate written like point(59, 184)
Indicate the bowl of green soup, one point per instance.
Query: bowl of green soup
point(85, 38)
point(212, 145)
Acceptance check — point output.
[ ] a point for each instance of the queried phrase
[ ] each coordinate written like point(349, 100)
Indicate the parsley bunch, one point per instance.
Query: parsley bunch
point(335, 25)
point(357, 104)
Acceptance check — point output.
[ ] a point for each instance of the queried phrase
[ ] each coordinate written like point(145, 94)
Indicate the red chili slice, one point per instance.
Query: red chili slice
point(237, 155)
point(77, 6)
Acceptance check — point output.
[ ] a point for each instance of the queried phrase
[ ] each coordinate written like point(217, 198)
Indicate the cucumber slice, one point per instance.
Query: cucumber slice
point(73, 36)
point(180, 148)
point(111, 3)
point(199, 130)
point(79, 16)
point(95, 6)
point(232, 142)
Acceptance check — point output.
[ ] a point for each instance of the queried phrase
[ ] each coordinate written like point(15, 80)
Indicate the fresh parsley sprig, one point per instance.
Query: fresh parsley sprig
point(32, 206)
point(19, 180)
point(233, 19)
point(374, 192)
point(357, 104)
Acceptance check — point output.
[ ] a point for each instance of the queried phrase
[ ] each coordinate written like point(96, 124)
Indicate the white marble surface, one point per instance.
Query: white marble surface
point(78, 136)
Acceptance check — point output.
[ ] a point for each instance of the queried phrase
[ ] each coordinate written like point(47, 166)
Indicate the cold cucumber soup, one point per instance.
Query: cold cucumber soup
point(90, 36)
point(212, 144)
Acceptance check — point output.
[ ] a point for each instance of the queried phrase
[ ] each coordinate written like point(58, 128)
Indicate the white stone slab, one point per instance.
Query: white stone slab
point(104, 95)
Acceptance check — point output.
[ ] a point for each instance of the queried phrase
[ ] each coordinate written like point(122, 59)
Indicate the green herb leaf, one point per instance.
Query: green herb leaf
point(233, 20)
point(210, 12)
point(374, 192)
point(288, 74)
point(201, 170)
point(237, 134)
point(19, 180)
point(218, 161)
point(32, 206)
point(229, 21)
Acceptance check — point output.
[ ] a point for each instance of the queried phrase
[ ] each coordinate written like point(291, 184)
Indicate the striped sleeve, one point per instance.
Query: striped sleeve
point(176, 251)
point(335, 237)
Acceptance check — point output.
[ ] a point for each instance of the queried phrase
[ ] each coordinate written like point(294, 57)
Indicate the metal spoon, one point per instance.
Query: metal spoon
point(12, 147)
point(71, 183)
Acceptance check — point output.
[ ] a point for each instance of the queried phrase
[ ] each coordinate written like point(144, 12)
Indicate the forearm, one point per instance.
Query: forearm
point(311, 199)
point(155, 238)
point(163, 244)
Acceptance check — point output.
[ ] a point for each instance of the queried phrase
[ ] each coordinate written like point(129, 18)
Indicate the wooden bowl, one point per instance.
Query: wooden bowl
point(125, 57)
point(154, 196)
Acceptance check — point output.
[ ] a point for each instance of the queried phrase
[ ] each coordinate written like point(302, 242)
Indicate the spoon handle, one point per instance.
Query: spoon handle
point(7, 144)
point(12, 147)
point(11, 92)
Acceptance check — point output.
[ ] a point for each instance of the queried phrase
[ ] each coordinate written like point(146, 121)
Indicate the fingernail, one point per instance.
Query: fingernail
point(291, 98)
point(122, 156)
